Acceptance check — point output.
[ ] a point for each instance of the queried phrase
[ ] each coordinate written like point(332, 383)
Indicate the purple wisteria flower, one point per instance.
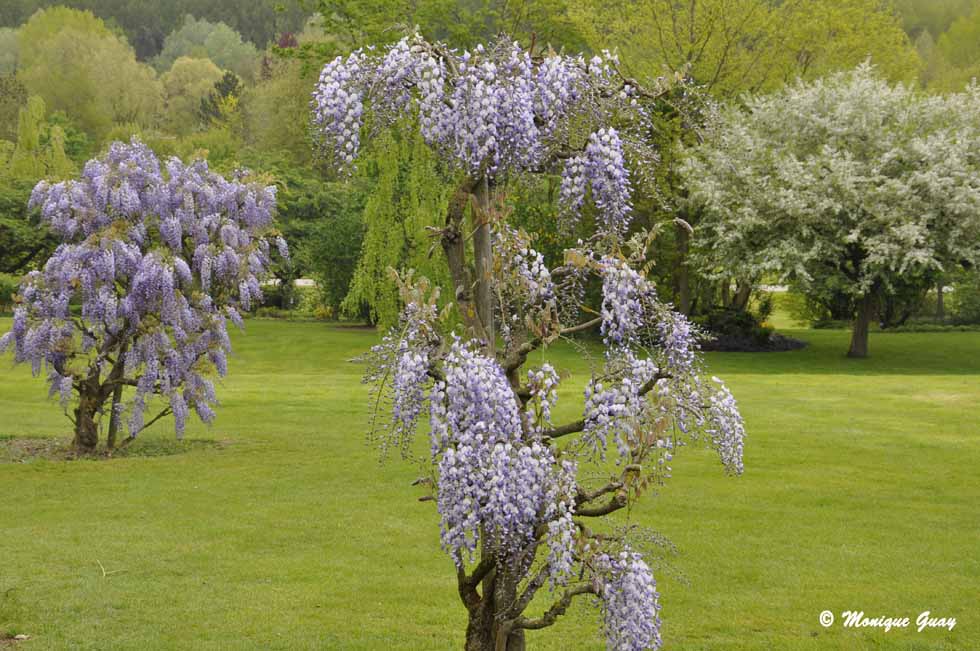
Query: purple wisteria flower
point(492, 111)
point(158, 260)
point(629, 601)
point(507, 478)
point(495, 483)
point(601, 169)
point(624, 293)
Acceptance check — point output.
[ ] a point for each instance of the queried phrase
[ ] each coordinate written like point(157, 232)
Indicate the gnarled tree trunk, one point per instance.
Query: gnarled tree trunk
point(86, 427)
point(486, 629)
point(862, 323)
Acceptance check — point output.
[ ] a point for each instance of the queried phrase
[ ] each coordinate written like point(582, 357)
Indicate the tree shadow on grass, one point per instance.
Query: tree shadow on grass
point(911, 353)
point(15, 449)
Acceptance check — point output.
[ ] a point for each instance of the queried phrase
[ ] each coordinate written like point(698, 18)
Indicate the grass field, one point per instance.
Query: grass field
point(861, 492)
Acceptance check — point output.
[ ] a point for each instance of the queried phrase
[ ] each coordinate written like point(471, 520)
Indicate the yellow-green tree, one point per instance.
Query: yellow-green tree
point(184, 86)
point(73, 61)
point(732, 46)
point(956, 56)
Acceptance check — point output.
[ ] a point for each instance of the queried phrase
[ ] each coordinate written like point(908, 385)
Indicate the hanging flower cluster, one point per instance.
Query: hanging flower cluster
point(338, 106)
point(525, 292)
point(630, 602)
point(493, 480)
point(405, 354)
point(492, 111)
point(159, 261)
point(601, 169)
point(562, 531)
point(726, 427)
point(624, 292)
point(542, 386)
point(618, 409)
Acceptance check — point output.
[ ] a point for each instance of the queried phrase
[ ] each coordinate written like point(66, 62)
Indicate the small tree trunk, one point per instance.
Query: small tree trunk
point(682, 273)
point(110, 440)
point(483, 254)
point(940, 301)
point(726, 291)
point(743, 291)
point(86, 429)
point(859, 334)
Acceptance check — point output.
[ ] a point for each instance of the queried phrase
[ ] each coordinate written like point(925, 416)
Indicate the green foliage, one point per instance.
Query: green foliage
point(45, 25)
point(332, 246)
point(187, 83)
point(24, 244)
point(734, 329)
point(72, 60)
point(9, 284)
point(408, 196)
point(957, 53)
point(146, 24)
point(344, 25)
point(732, 46)
point(206, 40)
point(76, 143)
point(320, 219)
point(221, 100)
point(931, 16)
point(9, 51)
point(33, 156)
point(13, 95)
point(276, 111)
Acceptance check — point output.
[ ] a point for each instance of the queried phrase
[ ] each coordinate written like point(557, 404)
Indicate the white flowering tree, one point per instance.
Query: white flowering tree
point(523, 499)
point(844, 185)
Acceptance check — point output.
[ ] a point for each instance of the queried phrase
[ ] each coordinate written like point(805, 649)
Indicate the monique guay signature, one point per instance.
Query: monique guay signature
point(857, 619)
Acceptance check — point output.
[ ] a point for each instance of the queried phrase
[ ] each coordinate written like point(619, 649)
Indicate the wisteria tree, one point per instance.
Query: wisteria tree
point(157, 261)
point(843, 185)
point(523, 500)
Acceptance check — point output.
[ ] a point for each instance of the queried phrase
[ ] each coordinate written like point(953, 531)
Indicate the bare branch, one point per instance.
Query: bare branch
point(618, 501)
point(557, 609)
point(582, 326)
point(583, 496)
point(579, 425)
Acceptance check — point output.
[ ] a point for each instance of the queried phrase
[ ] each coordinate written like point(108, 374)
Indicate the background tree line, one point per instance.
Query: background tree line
point(232, 81)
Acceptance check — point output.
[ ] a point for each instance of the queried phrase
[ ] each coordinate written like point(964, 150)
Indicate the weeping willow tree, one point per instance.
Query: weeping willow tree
point(409, 197)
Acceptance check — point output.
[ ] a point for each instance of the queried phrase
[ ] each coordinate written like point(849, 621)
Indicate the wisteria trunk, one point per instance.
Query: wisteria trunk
point(86, 427)
point(483, 258)
point(862, 322)
point(940, 301)
point(484, 631)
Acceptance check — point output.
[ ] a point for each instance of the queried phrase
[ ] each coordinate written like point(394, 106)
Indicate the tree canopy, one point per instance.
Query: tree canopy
point(215, 41)
point(732, 46)
point(72, 60)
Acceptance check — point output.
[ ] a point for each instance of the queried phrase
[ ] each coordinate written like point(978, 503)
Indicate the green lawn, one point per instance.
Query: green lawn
point(861, 491)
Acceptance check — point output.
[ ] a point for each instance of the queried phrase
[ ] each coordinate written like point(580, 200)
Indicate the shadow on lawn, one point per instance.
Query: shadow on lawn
point(29, 449)
point(928, 353)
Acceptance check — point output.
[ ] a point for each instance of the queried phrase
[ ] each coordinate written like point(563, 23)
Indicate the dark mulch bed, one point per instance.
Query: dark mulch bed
point(27, 449)
point(8, 641)
point(776, 343)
